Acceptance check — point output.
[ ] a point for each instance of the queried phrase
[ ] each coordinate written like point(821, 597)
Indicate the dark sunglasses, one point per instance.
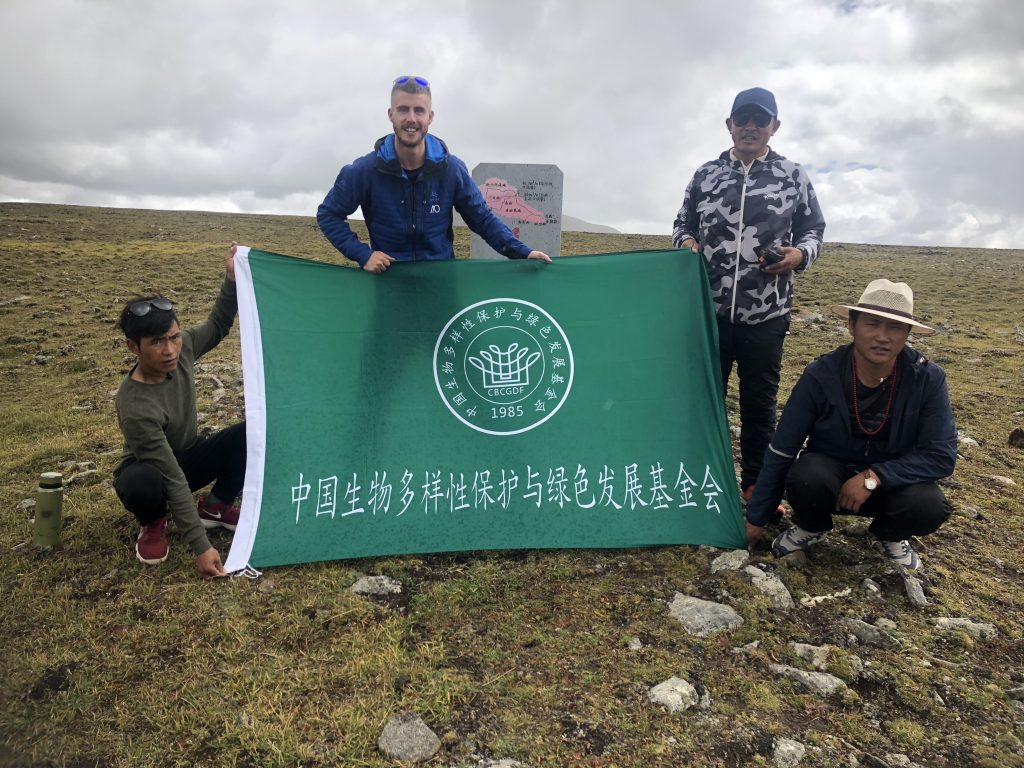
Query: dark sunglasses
point(759, 116)
point(141, 308)
point(420, 81)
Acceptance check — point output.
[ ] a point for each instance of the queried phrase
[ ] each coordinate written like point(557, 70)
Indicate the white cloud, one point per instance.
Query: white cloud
point(906, 114)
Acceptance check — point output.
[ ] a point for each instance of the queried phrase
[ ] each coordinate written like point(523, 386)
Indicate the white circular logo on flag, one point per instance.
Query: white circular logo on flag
point(503, 366)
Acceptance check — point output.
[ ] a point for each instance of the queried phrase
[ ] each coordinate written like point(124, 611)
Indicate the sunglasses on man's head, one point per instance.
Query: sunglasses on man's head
point(420, 81)
point(759, 116)
point(141, 308)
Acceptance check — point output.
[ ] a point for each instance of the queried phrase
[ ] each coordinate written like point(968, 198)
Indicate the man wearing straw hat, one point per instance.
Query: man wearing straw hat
point(879, 433)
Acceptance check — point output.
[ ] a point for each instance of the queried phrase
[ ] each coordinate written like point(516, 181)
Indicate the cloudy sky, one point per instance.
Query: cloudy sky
point(908, 115)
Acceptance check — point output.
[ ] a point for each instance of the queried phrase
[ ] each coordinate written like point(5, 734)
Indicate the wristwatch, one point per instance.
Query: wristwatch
point(870, 481)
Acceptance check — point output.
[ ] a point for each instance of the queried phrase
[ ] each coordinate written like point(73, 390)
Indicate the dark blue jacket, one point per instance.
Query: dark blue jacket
point(921, 444)
point(410, 221)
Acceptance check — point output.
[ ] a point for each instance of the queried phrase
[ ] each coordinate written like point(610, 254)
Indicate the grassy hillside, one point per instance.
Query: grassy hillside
point(543, 657)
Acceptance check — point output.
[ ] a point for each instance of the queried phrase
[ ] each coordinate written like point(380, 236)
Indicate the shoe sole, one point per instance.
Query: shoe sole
point(152, 561)
point(216, 524)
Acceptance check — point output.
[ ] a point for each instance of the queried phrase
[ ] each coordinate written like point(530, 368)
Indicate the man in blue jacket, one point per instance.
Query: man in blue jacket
point(879, 433)
point(407, 188)
point(738, 206)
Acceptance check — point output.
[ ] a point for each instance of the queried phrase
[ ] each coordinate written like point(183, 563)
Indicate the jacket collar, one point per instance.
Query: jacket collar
point(387, 156)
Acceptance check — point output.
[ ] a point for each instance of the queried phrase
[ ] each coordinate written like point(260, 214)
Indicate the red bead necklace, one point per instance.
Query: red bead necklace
point(888, 405)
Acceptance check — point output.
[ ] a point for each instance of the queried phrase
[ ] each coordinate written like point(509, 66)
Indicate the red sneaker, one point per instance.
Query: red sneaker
point(218, 515)
point(151, 546)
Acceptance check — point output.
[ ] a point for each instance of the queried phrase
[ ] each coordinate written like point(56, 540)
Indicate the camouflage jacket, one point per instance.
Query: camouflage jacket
point(776, 205)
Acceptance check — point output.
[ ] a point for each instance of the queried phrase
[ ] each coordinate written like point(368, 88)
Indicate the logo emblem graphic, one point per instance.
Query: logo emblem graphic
point(503, 366)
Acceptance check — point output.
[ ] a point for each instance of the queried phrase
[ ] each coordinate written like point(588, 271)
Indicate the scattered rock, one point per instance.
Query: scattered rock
point(887, 624)
point(772, 586)
point(730, 561)
point(1002, 480)
point(244, 720)
point(506, 763)
point(964, 439)
point(13, 300)
point(972, 512)
point(25, 505)
point(265, 586)
point(977, 630)
point(869, 634)
point(821, 656)
point(1016, 693)
point(788, 753)
point(748, 649)
point(915, 592)
point(871, 589)
point(675, 694)
point(376, 585)
point(702, 617)
point(635, 644)
point(1017, 438)
point(39, 360)
point(820, 683)
point(407, 737)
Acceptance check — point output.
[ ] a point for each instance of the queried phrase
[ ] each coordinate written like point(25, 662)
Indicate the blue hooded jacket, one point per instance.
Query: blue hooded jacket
point(410, 220)
point(921, 444)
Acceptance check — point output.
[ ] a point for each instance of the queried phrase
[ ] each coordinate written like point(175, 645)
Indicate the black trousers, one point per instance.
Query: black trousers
point(218, 459)
point(757, 352)
point(812, 488)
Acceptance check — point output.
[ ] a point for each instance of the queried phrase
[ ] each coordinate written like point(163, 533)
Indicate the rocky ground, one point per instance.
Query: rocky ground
point(647, 657)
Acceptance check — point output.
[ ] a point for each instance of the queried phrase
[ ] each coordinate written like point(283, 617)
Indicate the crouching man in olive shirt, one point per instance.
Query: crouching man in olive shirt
point(164, 459)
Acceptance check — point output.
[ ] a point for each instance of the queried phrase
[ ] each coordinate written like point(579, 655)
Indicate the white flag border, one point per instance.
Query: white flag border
point(255, 414)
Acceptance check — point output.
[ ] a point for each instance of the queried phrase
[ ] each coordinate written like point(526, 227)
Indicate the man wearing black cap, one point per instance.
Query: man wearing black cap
point(879, 432)
point(753, 215)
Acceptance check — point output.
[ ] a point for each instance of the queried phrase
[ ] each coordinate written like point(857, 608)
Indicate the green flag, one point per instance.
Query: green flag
point(459, 405)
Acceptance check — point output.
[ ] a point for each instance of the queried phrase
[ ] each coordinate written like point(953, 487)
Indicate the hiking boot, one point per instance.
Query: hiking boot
point(151, 546)
point(795, 539)
point(900, 553)
point(217, 515)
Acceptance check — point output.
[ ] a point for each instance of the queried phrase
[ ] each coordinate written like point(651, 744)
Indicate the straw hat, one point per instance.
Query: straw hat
point(885, 298)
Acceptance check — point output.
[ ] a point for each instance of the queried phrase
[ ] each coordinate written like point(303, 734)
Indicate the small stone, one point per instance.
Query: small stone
point(407, 737)
point(747, 649)
point(796, 559)
point(870, 635)
point(635, 644)
point(265, 586)
point(25, 505)
point(39, 360)
point(820, 683)
point(730, 561)
point(977, 630)
point(376, 585)
point(772, 586)
point(887, 624)
point(897, 760)
point(815, 655)
point(964, 439)
point(1002, 480)
point(871, 589)
point(788, 753)
point(702, 617)
point(1016, 693)
point(915, 592)
point(244, 720)
point(675, 694)
point(972, 512)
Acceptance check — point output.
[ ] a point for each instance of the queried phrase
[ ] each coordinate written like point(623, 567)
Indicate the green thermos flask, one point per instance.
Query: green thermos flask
point(49, 499)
